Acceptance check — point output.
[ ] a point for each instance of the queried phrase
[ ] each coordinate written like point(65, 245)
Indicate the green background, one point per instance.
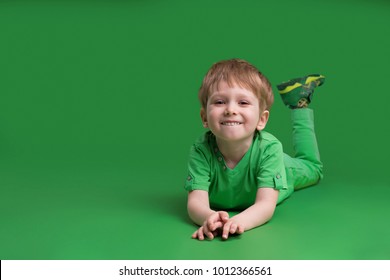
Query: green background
point(98, 109)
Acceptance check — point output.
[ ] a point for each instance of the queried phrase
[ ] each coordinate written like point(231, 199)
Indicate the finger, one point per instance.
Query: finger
point(200, 233)
point(205, 226)
point(224, 216)
point(211, 225)
point(212, 220)
point(208, 233)
point(233, 228)
point(225, 231)
point(217, 225)
point(195, 235)
point(240, 229)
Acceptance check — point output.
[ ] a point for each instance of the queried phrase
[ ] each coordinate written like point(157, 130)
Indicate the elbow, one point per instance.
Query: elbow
point(270, 213)
point(190, 210)
point(269, 210)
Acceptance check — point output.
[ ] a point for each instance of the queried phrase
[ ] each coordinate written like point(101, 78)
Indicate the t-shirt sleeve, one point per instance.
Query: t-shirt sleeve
point(271, 172)
point(198, 177)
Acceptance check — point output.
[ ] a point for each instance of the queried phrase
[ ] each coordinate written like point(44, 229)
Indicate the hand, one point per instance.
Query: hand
point(211, 225)
point(231, 227)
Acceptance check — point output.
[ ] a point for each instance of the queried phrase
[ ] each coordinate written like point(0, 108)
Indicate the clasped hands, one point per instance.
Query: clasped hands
point(218, 223)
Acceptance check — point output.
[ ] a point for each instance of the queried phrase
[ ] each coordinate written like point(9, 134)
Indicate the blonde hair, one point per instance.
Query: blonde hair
point(239, 72)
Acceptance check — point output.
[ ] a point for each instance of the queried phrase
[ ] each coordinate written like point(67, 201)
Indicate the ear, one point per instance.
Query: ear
point(203, 116)
point(263, 120)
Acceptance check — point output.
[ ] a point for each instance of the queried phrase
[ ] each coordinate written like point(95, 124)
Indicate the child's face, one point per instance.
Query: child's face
point(233, 113)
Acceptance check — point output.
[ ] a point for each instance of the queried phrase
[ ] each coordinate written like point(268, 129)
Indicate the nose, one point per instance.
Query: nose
point(230, 109)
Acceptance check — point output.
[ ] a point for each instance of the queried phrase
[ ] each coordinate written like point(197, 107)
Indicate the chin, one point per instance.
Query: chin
point(235, 138)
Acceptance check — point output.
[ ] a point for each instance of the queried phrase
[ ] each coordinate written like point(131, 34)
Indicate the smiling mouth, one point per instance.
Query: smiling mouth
point(231, 123)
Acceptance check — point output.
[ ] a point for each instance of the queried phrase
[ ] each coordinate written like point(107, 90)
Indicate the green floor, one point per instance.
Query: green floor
point(98, 110)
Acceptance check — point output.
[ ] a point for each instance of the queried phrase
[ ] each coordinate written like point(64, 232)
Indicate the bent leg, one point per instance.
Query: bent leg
point(305, 168)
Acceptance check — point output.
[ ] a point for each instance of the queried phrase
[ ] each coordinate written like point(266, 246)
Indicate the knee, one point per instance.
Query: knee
point(315, 172)
point(318, 168)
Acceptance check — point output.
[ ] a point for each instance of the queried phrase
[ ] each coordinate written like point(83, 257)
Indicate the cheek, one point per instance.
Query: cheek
point(213, 113)
point(254, 117)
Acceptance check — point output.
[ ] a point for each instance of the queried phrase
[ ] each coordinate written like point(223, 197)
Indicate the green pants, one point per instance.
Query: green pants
point(305, 167)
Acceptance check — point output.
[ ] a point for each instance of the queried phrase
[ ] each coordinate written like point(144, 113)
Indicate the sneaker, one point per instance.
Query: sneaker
point(298, 93)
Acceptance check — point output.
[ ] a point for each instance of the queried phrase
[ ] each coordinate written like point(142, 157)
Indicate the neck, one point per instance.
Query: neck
point(233, 152)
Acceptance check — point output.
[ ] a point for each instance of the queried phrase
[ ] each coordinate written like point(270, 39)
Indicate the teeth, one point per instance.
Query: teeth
point(231, 123)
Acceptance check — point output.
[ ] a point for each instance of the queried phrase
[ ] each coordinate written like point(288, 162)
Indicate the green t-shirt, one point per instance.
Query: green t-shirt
point(261, 167)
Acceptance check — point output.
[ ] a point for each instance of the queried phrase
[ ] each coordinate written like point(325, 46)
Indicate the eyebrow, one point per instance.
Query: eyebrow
point(238, 95)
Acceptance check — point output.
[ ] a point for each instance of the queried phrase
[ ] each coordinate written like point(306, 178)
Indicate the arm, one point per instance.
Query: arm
point(198, 206)
point(257, 214)
point(199, 210)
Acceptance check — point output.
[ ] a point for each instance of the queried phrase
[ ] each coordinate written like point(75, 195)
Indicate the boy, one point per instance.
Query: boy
point(238, 166)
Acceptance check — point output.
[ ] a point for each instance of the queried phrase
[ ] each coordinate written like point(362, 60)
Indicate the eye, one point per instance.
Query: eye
point(243, 102)
point(219, 102)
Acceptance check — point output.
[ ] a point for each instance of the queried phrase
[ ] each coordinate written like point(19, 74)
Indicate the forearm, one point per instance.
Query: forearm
point(198, 208)
point(261, 211)
point(256, 215)
point(199, 214)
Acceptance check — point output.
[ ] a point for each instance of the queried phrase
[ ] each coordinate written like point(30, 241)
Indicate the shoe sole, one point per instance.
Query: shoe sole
point(292, 84)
